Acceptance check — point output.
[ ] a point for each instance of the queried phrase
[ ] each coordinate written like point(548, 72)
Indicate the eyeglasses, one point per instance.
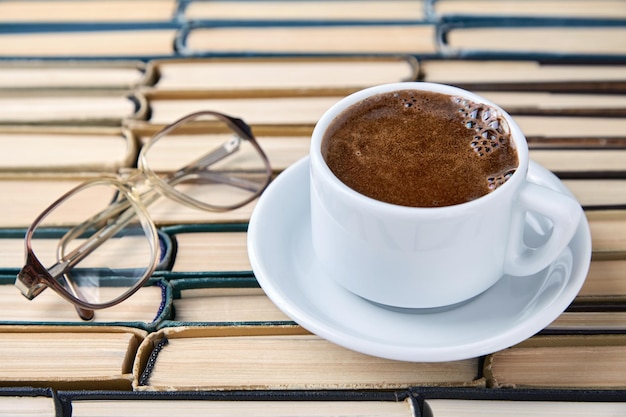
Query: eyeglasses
point(103, 260)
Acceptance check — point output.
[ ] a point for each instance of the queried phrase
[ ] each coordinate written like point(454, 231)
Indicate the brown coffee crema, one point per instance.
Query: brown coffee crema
point(420, 149)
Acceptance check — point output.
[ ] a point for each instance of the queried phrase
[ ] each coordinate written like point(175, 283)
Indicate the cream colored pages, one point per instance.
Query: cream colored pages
point(594, 320)
point(393, 39)
point(191, 408)
point(554, 101)
point(94, 107)
point(562, 40)
point(536, 8)
point(129, 43)
point(282, 151)
point(47, 77)
point(15, 11)
point(464, 71)
point(608, 232)
point(69, 355)
point(605, 279)
point(227, 305)
point(587, 160)
point(143, 306)
point(27, 406)
point(24, 199)
point(599, 192)
point(290, 362)
point(475, 408)
point(42, 152)
point(560, 367)
point(571, 127)
point(306, 10)
point(223, 251)
point(260, 110)
point(244, 76)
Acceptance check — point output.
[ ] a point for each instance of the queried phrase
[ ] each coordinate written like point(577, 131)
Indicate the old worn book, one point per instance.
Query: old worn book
point(31, 193)
point(596, 194)
point(221, 299)
point(144, 309)
point(609, 9)
point(273, 111)
point(325, 10)
point(255, 358)
point(569, 361)
point(70, 107)
point(61, 357)
point(608, 229)
point(113, 408)
point(282, 148)
point(46, 149)
point(166, 407)
point(605, 282)
point(401, 38)
point(584, 162)
point(493, 74)
point(276, 75)
point(28, 404)
point(496, 36)
point(574, 131)
point(590, 321)
point(532, 102)
point(221, 251)
point(223, 305)
point(116, 42)
point(475, 407)
point(25, 75)
point(31, 11)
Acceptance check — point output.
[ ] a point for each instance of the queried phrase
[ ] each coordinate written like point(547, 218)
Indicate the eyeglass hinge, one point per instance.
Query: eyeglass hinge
point(29, 282)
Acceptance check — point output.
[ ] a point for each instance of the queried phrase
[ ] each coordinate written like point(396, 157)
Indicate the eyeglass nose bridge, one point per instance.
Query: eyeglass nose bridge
point(30, 281)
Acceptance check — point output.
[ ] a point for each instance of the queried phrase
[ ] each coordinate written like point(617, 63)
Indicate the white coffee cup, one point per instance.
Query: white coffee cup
point(412, 257)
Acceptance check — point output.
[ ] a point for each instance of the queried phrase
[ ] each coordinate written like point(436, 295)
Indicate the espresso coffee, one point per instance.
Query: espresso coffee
point(420, 149)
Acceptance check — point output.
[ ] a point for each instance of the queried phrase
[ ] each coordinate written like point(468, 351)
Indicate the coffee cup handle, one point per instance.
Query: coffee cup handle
point(562, 211)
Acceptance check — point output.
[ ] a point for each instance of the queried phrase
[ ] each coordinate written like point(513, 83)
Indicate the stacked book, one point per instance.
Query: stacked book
point(83, 85)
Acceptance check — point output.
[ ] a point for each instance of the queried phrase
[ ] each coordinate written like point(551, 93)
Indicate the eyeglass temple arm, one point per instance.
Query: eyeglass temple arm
point(68, 260)
point(228, 148)
point(198, 166)
point(221, 178)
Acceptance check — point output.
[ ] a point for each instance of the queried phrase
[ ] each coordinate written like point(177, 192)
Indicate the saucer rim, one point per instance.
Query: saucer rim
point(355, 341)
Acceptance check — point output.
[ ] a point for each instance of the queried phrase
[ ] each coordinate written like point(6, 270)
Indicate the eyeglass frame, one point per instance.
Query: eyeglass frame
point(34, 277)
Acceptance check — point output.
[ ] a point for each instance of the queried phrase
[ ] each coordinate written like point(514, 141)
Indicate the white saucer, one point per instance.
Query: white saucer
point(515, 308)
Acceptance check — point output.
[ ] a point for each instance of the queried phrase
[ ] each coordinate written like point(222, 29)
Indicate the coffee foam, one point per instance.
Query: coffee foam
point(491, 129)
point(492, 132)
point(412, 154)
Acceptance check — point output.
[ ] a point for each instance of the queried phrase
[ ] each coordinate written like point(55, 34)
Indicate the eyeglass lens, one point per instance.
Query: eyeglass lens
point(101, 258)
point(207, 163)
